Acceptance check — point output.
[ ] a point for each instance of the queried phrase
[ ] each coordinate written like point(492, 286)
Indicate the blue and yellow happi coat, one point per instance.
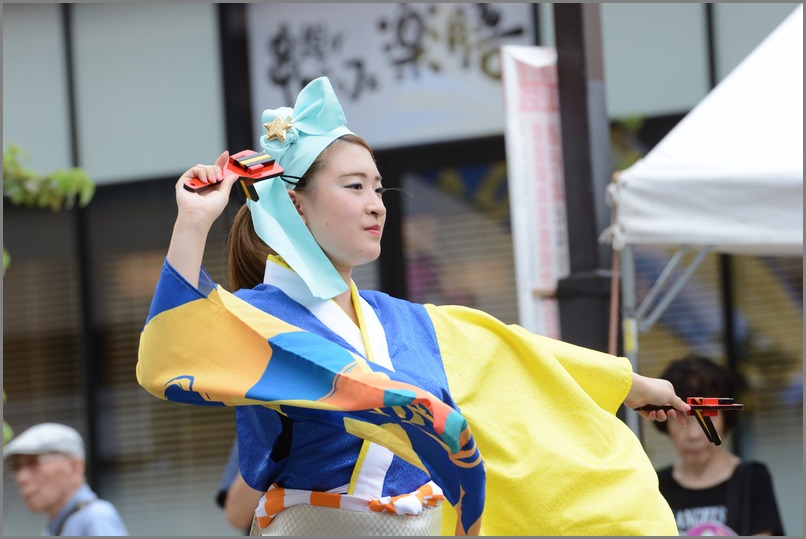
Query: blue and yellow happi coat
point(557, 461)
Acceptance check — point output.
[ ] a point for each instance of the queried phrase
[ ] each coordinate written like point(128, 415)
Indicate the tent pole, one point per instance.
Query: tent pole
point(660, 281)
point(647, 323)
point(629, 328)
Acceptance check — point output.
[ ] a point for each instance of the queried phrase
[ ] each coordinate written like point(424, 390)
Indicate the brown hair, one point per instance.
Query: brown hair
point(246, 262)
point(699, 376)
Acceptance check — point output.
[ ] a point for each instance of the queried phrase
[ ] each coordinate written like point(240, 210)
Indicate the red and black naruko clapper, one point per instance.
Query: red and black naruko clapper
point(251, 167)
point(703, 408)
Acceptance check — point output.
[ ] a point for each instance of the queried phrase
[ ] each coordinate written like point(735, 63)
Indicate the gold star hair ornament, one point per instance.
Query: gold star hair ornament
point(277, 128)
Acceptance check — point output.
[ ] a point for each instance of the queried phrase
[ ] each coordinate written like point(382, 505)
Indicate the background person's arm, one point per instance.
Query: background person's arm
point(240, 504)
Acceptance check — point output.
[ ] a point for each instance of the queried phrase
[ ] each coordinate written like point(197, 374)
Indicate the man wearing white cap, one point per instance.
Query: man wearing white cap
point(47, 461)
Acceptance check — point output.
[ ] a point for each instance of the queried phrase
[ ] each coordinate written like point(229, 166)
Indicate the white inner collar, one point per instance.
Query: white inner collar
point(330, 314)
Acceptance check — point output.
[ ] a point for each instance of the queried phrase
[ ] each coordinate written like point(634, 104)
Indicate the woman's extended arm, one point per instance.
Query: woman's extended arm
point(196, 214)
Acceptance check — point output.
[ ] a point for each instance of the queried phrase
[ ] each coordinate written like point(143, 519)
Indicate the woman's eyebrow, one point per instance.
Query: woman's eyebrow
point(359, 174)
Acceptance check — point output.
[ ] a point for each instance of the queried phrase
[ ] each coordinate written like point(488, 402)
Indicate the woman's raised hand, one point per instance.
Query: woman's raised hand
point(206, 205)
point(197, 212)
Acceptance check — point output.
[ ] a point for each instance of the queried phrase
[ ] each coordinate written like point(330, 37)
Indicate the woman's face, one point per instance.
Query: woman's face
point(343, 207)
point(690, 441)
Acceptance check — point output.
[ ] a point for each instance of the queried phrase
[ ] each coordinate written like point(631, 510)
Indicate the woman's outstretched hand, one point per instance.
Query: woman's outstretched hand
point(205, 206)
point(658, 392)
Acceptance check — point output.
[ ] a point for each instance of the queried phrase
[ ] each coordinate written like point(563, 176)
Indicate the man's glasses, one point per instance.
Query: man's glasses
point(15, 463)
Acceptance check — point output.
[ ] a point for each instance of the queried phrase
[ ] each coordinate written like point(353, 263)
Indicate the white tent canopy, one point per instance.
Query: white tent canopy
point(729, 176)
point(728, 179)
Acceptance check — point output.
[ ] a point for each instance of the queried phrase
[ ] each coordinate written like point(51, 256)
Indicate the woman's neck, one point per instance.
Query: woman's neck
point(706, 473)
point(345, 301)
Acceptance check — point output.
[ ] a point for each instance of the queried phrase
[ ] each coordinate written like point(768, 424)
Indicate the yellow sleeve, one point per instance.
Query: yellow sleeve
point(558, 461)
point(605, 378)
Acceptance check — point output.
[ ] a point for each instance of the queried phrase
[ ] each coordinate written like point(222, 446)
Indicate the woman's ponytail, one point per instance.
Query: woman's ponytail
point(246, 262)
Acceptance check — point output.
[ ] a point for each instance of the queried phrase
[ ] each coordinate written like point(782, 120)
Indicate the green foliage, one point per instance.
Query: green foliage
point(61, 189)
point(7, 432)
point(624, 145)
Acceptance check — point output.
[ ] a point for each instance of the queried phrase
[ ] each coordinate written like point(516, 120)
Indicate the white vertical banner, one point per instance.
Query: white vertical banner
point(536, 184)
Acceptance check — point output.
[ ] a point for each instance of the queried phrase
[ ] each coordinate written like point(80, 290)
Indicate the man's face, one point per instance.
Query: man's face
point(46, 482)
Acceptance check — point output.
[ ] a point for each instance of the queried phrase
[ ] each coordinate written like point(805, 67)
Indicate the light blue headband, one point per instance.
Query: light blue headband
point(295, 138)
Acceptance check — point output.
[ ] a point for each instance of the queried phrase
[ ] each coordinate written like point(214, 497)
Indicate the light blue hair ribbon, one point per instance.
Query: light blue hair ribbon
point(295, 138)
